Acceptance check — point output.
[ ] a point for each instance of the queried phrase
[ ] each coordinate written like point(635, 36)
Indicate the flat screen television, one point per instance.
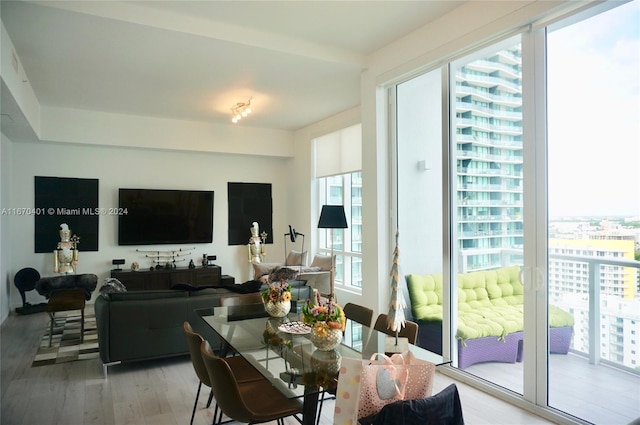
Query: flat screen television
point(154, 216)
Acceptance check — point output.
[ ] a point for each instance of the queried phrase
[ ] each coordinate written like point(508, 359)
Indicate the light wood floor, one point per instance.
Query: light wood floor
point(151, 392)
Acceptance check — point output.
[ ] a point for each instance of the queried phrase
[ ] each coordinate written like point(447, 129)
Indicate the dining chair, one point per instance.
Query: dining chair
point(409, 331)
point(245, 401)
point(358, 313)
point(245, 372)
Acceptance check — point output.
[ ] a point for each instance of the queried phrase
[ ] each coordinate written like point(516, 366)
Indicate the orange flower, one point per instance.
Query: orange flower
point(335, 325)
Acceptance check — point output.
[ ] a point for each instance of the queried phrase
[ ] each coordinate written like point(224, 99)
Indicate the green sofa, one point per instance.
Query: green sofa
point(490, 316)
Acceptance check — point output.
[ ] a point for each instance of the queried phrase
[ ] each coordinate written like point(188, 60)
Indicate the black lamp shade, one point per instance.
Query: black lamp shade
point(332, 217)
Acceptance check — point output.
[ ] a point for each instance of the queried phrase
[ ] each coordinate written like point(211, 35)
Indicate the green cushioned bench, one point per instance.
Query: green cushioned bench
point(490, 316)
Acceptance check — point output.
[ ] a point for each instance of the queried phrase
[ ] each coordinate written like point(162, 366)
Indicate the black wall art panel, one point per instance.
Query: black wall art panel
point(66, 200)
point(249, 202)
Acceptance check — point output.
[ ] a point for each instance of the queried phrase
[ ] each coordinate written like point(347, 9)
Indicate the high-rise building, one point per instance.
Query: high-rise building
point(489, 159)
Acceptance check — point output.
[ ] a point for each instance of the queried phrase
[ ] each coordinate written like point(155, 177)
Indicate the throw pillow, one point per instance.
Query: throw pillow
point(282, 273)
point(263, 269)
point(322, 261)
point(112, 285)
point(296, 258)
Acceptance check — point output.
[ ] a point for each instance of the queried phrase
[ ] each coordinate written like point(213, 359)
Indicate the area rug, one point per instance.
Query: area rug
point(66, 345)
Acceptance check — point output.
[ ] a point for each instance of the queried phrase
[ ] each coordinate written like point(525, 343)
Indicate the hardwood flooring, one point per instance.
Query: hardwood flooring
point(152, 392)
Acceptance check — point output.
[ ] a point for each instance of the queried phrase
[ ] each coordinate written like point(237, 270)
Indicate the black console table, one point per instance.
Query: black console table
point(166, 278)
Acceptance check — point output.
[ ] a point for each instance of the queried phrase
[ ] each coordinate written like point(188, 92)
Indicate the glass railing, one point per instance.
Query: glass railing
point(603, 303)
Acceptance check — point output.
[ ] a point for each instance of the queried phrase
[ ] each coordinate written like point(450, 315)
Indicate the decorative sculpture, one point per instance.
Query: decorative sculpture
point(256, 244)
point(65, 257)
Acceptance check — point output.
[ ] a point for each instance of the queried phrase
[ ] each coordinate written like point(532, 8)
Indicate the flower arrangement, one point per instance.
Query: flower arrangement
point(277, 292)
point(323, 315)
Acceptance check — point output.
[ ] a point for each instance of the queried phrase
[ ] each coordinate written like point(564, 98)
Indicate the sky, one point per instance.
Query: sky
point(594, 115)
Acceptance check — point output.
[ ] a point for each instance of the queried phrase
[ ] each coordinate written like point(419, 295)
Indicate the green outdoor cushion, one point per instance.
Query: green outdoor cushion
point(490, 303)
point(558, 317)
point(425, 292)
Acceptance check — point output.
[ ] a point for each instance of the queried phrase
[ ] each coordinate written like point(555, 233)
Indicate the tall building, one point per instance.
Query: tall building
point(489, 160)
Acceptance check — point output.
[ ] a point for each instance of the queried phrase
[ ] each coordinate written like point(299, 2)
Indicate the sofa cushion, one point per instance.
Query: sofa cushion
point(558, 317)
point(208, 291)
point(145, 295)
point(425, 292)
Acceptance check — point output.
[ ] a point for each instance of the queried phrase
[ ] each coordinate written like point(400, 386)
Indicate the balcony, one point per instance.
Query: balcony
point(595, 381)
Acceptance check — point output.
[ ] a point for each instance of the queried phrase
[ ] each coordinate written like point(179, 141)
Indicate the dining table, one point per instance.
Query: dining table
point(281, 350)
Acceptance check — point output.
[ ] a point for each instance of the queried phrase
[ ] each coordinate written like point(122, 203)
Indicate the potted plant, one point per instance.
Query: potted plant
point(277, 298)
point(327, 321)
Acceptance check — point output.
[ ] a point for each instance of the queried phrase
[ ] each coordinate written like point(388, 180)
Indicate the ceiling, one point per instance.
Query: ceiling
point(298, 61)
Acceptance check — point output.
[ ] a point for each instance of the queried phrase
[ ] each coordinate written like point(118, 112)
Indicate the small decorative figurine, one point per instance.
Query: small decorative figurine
point(256, 244)
point(135, 266)
point(191, 264)
point(65, 258)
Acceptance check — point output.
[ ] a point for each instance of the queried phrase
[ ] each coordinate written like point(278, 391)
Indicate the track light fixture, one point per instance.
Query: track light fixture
point(240, 110)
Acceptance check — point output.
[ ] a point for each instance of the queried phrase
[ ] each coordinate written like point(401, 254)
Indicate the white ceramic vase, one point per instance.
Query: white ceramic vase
point(327, 339)
point(278, 309)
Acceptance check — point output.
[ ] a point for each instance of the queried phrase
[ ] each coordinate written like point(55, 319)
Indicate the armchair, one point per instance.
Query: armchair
point(317, 274)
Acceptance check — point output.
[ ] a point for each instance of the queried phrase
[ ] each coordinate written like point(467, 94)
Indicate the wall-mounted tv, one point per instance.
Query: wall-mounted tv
point(153, 216)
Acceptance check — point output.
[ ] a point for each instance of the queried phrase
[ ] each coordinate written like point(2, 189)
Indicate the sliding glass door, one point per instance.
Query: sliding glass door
point(524, 155)
point(487, 207)
point(593, 124)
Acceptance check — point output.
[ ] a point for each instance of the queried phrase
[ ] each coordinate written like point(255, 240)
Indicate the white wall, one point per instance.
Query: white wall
point(420, 191)
point(6, 278)
point(141, 168)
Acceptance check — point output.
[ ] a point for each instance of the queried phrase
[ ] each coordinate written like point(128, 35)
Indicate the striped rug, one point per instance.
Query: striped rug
point(65, 345)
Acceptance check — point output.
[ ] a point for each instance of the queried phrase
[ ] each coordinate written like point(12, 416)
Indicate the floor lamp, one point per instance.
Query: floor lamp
point(293, 235)
point(332, 217)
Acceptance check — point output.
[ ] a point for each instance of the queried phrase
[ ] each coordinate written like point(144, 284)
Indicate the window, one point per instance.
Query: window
point(339, 180)
point(344, 189)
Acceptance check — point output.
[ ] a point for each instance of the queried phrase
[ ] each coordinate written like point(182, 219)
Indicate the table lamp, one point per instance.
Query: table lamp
point(332, 217)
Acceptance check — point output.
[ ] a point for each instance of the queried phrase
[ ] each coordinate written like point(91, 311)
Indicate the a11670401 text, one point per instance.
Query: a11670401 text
point(62, 211)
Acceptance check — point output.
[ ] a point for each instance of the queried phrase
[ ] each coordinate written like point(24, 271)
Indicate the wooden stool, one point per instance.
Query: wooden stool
point(65, 300)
